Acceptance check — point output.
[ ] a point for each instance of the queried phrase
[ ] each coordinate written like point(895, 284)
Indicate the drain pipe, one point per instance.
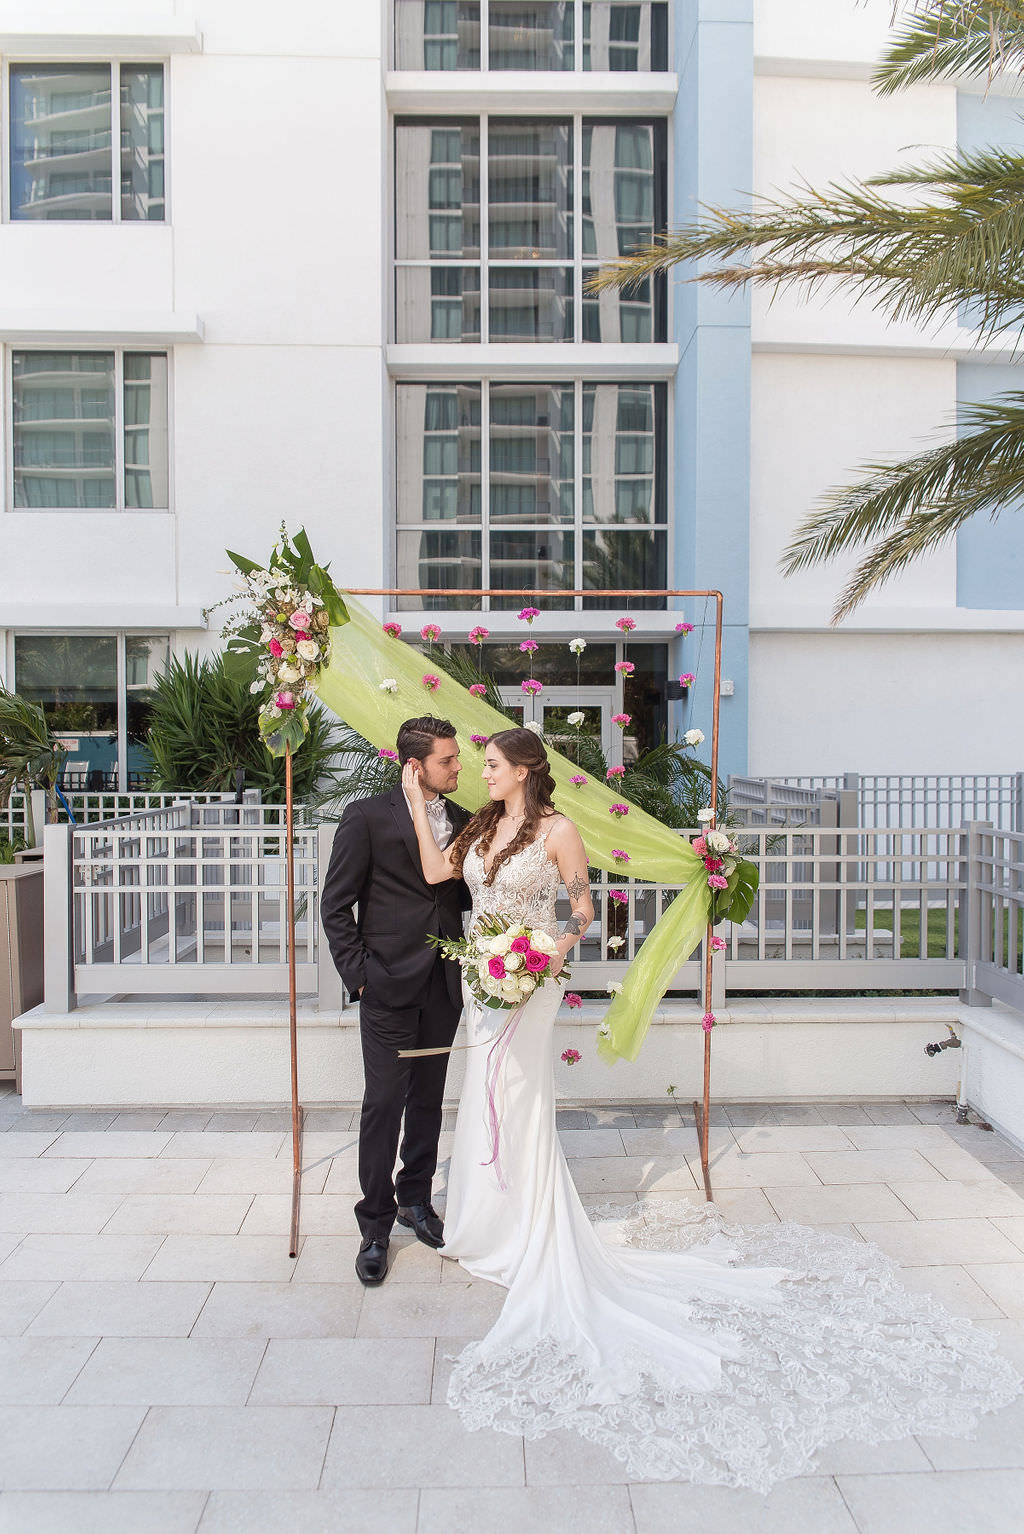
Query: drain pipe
point(953, 1042)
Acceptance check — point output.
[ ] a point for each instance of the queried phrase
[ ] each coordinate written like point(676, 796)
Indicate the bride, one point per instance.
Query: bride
point(691, 1349)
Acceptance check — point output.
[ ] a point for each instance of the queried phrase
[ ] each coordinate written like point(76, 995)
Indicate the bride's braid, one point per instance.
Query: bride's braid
point(523, 749)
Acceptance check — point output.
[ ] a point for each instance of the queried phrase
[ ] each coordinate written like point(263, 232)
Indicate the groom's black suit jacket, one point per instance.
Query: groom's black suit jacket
point(375, 866)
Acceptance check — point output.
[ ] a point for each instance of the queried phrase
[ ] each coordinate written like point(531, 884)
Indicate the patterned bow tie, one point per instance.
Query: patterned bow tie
point(436, 808)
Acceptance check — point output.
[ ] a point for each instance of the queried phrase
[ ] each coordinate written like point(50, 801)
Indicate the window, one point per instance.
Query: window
point(95, 692)
point(87, 142)
point(566, 489)
point(89, 430)
point(608, 35)
point(491, 243)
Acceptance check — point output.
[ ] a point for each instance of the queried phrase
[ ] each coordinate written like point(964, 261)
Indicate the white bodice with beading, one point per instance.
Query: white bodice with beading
point(687, 1347)
point(524, 887)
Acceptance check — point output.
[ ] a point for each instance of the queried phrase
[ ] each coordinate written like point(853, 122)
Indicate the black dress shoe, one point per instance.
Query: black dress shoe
point(425, 1221)
point(372, 1262)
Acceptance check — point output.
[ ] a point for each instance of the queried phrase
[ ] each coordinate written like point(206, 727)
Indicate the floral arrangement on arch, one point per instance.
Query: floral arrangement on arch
point(279, 638)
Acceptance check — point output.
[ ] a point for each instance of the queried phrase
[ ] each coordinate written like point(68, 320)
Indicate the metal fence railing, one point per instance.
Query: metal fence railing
point(995, 932)
point(188, 898)
point(913, 799)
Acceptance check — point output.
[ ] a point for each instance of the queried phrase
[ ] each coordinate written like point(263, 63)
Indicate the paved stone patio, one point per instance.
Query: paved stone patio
point(165, 1367)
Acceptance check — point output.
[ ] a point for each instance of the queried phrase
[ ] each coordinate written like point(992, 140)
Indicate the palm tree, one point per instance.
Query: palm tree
point(959, 241)
point(31, 756)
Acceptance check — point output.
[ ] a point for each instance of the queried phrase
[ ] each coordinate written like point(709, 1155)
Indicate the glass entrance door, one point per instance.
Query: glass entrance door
point(551, 710)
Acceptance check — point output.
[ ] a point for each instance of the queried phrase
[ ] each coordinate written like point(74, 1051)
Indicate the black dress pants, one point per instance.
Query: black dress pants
point(394, 1087)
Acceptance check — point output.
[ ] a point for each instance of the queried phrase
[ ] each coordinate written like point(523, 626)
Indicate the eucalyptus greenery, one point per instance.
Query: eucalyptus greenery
point(958, 241)
point(204, 725)
point(30, 755)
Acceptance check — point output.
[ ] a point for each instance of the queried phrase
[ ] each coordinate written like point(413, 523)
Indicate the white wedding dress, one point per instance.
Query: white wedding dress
point(691, 1349)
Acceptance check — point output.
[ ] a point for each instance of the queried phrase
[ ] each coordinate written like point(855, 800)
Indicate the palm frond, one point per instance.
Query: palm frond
point(910, 508)
point(917, 262)
point(945, 38)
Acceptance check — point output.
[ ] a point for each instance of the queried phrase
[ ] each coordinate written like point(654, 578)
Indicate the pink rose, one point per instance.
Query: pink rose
point(535, 961)
point(571, 999)
point(717, 882)
point(520, 945)
point(276, 647)
point(300, 620)
point(496, 967)
point(285, 700)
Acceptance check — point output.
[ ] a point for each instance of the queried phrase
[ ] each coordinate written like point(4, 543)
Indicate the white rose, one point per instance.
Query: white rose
point(388, 685)
point(491, 986)
point(576, 718)
point(307, 649)
point(499, 944)
point(706, 814)
point(510, 988)
point(288, 674)
point(527, 984)
point(717, 841)
point(543, 942)
point(513, 961)
point(693, 737)
point(483, 972)
point(616, 942)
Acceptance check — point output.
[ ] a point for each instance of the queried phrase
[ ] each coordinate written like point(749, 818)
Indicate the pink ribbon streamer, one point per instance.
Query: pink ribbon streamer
point(492, 1070)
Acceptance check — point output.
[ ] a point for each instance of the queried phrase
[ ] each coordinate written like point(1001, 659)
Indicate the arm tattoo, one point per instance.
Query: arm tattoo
point(576, 887)
point(577, 925)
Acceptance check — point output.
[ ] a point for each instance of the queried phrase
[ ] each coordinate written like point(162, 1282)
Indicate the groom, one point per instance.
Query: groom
point(377, 911)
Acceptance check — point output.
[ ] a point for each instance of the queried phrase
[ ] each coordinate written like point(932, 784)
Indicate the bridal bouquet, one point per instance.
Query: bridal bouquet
point(502, 961)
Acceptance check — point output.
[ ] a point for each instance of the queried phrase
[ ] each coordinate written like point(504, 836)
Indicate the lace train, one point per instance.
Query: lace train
point(841, 1350)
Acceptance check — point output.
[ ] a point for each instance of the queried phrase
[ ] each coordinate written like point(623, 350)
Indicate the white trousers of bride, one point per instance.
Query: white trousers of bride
point(689, 1348)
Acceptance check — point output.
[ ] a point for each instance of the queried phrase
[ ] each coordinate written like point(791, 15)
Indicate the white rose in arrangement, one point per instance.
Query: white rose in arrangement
point(308, 649)
point(499, 944)
point(575, 719)
point(510, 988)
point(492, 986)
point(483, 973)
point(543, 942)
point(513, 961)
point(527, 984)
point(615, 942)
point(717, 842)
point(693, 737)
point(706, 814)
point(388, 685)
point(288, 674)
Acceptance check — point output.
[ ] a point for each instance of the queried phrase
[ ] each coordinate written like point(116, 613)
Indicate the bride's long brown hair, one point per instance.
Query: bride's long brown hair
point(522, 749)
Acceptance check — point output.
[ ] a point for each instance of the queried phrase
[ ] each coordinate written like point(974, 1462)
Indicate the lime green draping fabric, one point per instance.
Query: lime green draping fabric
point(363, 656)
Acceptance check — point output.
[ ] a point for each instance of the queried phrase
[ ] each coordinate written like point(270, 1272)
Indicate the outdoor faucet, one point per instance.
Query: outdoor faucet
point(953, 1042)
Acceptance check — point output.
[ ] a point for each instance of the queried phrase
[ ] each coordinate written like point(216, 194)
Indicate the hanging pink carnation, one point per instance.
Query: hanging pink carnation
point(716, 881)
point(528, 646)
point(300, 620)
point(386, 755)
point(699, 846)
point(479, 740)
point(531, 685)
point(571, 1056)
point(478, 635)
point(536, 962)
point(615, 772)
point(619, 896)
point(577, 780)
point(431, 682)
point(478, 690)
point(430, 632)
point(618, 809)
point(276, 647)
point(285, 700)
point(496, 966)
point(621, 720)
point(686, 680)
point(529, 613)
point(571, 999)
point(708, 1021)
point(627, 625)
point(626, 667)
point(684, 628)
point(620, 856)
point(392, 630)
point(718, 945)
